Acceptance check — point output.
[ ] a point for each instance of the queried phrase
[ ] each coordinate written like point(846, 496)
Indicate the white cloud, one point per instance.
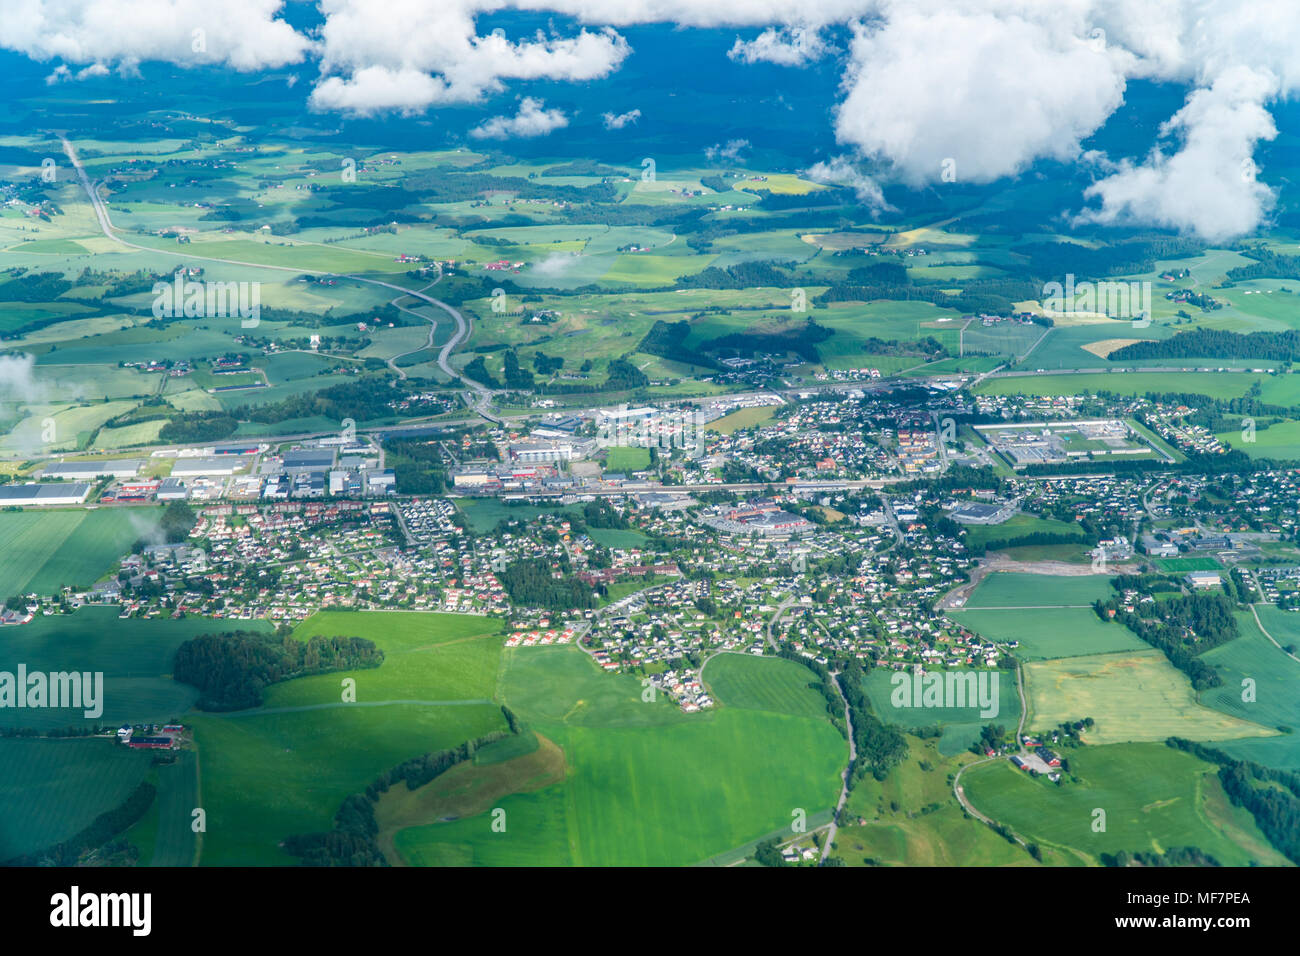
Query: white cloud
point(531, 120)
point(840, 171)
point(981, 88)
point(620, 120)
point(969, 90)
point(709, 13)
point(408, 55)
point(17, 382)
point(1209, 187)
point(793, 46)
point(377, 89)
point(731, 151)
point(557, 264)
point(244, 35)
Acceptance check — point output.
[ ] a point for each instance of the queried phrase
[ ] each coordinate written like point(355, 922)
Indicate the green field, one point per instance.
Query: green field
point(519, 764)
point(911, 818)
point(286, 767)
point(1275, 675)
point(1135, 696)
point(1219, 385)
point(134, 655)
point(1154, 798)
point(1019, 526)
point(1280, 440)
point(1050, 632)
point(1049, 615)
point(1019, 590)
point(52, 789)
point(626, 459)
point(771, 684)
point(165, 835)
point(742, 418)
point(42, 551)
point(270, 776)
point(961, 725)
point(483, 514)
point(1183, 565)
point(647, 785)
point(618, 538)
point(427, 657)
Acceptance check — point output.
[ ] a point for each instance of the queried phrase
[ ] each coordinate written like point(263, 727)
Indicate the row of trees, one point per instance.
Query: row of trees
point(1182, 628)
point(351, 841)
point(231, 670)
point(1271, 796)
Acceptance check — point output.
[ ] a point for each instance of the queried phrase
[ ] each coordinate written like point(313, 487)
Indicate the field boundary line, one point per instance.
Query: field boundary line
point(303, 708)
point(1264, 631)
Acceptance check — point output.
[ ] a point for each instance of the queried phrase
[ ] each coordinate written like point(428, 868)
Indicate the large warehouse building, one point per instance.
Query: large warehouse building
point(90, 470)
point(194, 467)
point(45, 493)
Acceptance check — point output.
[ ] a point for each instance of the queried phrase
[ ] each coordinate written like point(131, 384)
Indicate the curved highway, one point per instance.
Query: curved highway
point(481, 400)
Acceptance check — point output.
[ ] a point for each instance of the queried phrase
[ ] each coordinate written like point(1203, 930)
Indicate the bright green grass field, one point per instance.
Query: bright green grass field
point(1154, 798)
point(623, 458)
point(647, 784)
point(28, 539)
point(165, 835)
point(43, 551)
point(286, 767)
point(1046, 633)
point(1280, 440)
point(1276, 680)
point(906, 837)
point(1188, 564)
point(427, 657)
point(1220, 385)
point(1013, 589)
point(1017, 527)
point(51, 789)
point(266, 777)
point(134, 655)
point(618, 538)
point(482, 514)
point(961, 725)
point(772, 684)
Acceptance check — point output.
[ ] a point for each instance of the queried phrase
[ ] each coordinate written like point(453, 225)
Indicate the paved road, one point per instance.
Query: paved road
point(844, 787)
point(479, 397)
point(960, 791)
point(481, 404)
point(433, 327)
point(776, 618)
point(1024, 705)
point(1260, 625)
